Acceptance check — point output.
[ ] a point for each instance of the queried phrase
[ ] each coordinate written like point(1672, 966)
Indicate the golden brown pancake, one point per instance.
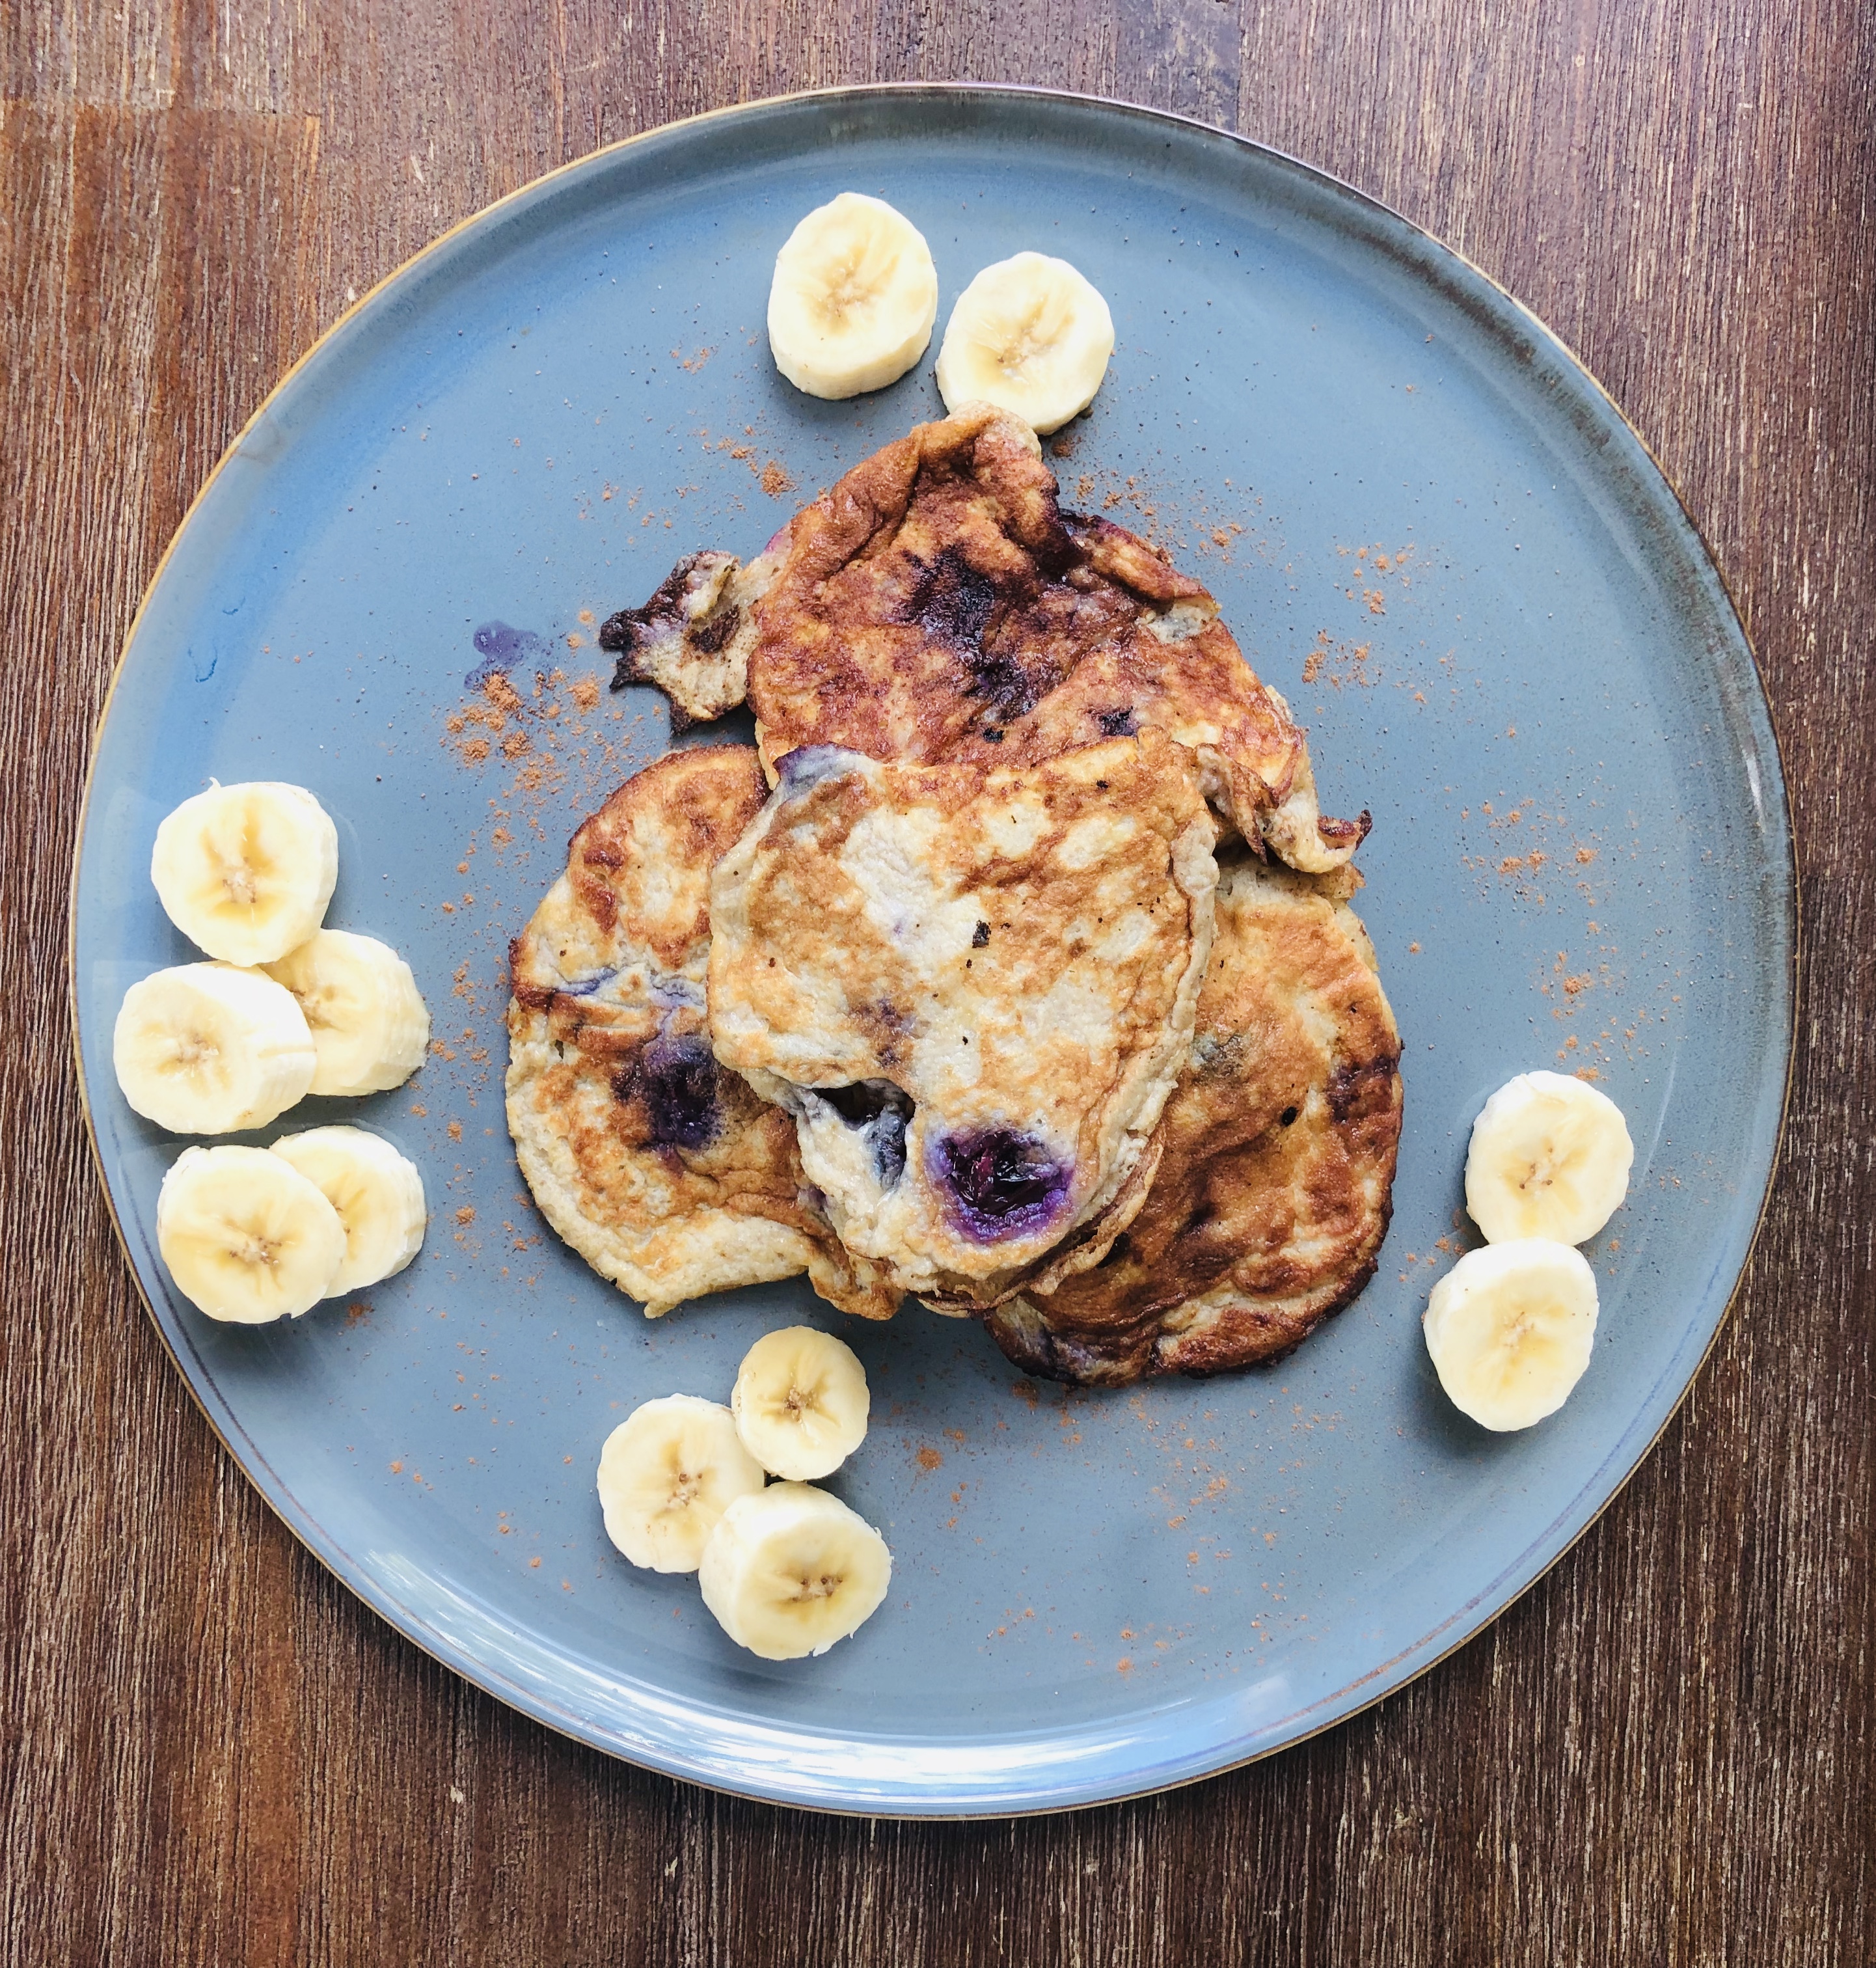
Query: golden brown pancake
point(937, 606)
point(973, 989)
point(667, 1174)
point(1273, 1192)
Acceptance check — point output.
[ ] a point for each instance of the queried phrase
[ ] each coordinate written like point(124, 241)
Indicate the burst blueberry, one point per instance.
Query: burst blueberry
point(998, 1182)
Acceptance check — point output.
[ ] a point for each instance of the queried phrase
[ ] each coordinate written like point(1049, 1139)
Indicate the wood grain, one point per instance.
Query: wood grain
point(211, 1753)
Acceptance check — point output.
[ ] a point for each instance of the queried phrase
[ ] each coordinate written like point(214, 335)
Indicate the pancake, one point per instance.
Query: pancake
point(668, 1176)
point(972, 990)
point(693, 638)
point(937, 606)
point(1272, 1191)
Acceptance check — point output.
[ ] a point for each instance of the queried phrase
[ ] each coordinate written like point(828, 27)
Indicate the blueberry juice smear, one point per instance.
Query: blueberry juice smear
point(998, 1183)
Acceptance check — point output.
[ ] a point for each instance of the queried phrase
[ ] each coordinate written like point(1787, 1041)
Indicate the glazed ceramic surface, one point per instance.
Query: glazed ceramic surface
point(1427, 528)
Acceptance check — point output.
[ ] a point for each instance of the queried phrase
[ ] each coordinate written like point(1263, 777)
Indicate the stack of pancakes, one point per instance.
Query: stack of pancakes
point(1012, 968)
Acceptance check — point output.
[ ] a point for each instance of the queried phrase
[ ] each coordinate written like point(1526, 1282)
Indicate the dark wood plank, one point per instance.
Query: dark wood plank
point(212, 1753)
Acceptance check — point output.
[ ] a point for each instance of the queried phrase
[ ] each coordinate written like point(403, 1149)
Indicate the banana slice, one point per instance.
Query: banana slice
point(378, 1194)
point(369, 1022)
point(854, 297)
point(790, 1570)
point(246, 1236)
point(208, 1049)
point(1509, 1329)
point(668, 1473)
point(1030, 335)
point(801, 1402)
point(246, 871)
point(1550, 1158)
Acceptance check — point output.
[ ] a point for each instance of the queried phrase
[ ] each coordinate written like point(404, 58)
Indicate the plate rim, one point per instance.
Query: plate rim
point(923, 1807)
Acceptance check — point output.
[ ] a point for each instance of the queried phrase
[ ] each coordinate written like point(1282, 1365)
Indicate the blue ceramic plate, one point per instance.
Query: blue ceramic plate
point(1429, 528)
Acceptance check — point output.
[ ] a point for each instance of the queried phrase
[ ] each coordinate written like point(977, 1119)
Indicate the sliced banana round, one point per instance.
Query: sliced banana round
point(1550, 1158)
point(246, 1236)
point(209, 1048)
point(1031, 335)
point(377, 1193)
point(1509, 1329)
point(245, 871)
point(369, 1022)
point(801, 1402)
point(668, 1473)
point(790, 1570)
point(853, 299)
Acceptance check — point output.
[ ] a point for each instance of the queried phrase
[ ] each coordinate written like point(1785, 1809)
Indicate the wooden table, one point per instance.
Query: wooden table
point(211, 1753)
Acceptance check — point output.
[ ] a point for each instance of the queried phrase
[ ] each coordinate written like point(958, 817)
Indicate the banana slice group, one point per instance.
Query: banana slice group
point(245, 871)
point(369, 1022)
point(1509, 1329)
point(209, 1048)
point(790, 1570)
point(1031, 335)
point(667, 1474)
point(377, 1193)
point(1550, 1157)
point(853, 299)
point(801, 1402)
point(246, 1236)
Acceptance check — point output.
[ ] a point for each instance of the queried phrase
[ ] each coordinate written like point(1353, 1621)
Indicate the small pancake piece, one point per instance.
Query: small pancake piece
point(693, 638)
point(1277, 1156)
point(936, 605)
point(668, 1175)
point(972, 990)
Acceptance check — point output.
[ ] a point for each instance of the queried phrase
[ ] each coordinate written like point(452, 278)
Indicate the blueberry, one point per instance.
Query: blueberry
point(676, 1078)
point(1000, 1183)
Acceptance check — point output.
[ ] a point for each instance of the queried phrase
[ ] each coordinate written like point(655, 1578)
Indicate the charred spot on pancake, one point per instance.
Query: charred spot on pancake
point(674, 1079)
point(980, 936)
point(1005, 682)
point(624, 632)
point(1357, 1089)
point(711, 633)
point(880, 1112)
point(1346, 833)
point(998, 1182)
point(1117, 724)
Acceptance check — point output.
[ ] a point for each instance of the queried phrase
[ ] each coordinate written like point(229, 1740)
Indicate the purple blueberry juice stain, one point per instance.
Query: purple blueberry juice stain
point(586, 986)
point(671, 993)
point(803, 769)
point(997, 1183)
point(500, 647)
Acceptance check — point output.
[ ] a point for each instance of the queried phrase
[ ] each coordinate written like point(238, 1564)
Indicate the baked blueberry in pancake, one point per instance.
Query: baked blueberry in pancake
point(1272, 1191)
point(973, 990)
point(937, 606)
point(664, 1171)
